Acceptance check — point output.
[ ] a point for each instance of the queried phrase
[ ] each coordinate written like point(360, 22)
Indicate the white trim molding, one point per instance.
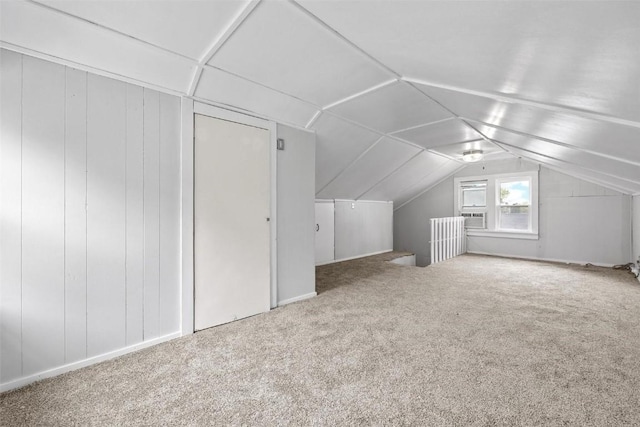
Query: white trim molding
point(298, 298)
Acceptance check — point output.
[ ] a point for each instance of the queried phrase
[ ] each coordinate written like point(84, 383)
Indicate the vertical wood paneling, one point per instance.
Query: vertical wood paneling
point(106, 153)
point(75, 216)
point(135, 216)
point(151, 214)
point(11, 217)
point(169, 214)
point(43, 252)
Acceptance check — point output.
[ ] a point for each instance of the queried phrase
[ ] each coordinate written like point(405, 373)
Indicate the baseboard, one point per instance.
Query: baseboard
point(354, 257)
point(21, 382)
point(298, 298)
point(562, 261)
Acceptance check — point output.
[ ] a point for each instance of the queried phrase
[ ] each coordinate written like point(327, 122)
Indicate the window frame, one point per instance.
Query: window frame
point(499, 182)
point(493, 203)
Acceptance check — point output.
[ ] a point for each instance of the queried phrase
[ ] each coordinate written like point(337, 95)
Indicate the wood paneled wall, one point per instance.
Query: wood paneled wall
point(90, 215)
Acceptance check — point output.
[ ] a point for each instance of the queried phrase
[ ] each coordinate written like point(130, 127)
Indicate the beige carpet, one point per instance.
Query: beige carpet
point(471, 341)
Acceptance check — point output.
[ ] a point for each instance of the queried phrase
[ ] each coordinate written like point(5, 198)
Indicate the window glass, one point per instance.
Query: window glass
point(474, 194)
point(514, 210)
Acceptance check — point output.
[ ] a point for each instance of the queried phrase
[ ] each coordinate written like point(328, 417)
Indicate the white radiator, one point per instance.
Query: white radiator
point(448, 238)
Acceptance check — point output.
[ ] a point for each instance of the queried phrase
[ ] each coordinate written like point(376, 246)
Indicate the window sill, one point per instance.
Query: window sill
point(503, 234)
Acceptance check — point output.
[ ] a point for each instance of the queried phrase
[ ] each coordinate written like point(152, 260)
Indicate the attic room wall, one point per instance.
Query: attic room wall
point(90, 217)
point(636, 228)
point(411, 230)
point(578, 221)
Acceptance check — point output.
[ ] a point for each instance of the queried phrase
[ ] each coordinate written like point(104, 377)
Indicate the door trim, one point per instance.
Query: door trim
point(189, 108)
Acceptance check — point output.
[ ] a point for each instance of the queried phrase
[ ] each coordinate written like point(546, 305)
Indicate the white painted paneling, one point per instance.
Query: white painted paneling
point(75, 216)
point(338, 144)
point(10, 216)
point(295, 193)
point(72, 182)
point(392, 108)
point(106, 214)
point(440, 133)
point(282, 47)
point(426, 183)
point(609, 139)
point(325, 232)
point(580, 54)
point(382, 159)
point(135, 216)
point(43, 182)
point(411, 228)
point(635, 225)
point(227, 89)
point(362, 228)
point(408, 175)
point(151, 167)
point(169, 188)
point(34, 27)
point(456, 150)
point(194, 24)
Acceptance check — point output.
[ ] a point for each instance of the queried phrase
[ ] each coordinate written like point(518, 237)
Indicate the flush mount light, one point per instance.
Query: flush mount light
point(472, 156)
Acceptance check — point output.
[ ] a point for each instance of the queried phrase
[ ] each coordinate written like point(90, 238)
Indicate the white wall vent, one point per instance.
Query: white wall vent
point(474, 219)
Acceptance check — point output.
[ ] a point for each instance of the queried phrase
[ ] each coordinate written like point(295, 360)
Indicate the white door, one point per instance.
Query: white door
point(324, 232)
point(231, 221)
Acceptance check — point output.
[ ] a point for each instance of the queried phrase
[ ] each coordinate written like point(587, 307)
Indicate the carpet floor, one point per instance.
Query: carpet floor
point(471, 341)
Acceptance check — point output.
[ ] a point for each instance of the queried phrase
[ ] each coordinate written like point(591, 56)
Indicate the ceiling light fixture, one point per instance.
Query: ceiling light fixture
point(472, 156)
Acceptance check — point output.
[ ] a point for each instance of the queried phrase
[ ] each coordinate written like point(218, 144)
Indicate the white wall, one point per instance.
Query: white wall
point(90, 216)
point(362, 228)
point(296, 213)
point(636, 229)
point(411, 227)
point(578, 221)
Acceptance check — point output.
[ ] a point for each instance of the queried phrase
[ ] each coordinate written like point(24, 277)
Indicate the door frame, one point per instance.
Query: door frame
point(189, 109)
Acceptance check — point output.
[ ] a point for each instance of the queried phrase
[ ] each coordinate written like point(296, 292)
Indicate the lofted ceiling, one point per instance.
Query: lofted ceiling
point(395, 90)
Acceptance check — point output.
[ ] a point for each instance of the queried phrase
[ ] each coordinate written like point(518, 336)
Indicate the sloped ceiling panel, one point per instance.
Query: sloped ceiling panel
point(392, 108)
point(426, 183)
point(42, 30)
point(445, 132)
point(230, 90)
point(582, 55)
point(338, 144)
point(377, 163)
point(609, 139)
point(622, 170)
point(491, 151)
point(284, 48)
point(193, 24)
point(399, 181)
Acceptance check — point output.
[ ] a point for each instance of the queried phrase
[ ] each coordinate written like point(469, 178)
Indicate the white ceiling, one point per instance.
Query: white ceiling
point(395, 90)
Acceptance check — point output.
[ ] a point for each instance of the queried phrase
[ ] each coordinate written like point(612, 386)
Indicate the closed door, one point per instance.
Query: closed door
point(324, 232)
point(231, 221)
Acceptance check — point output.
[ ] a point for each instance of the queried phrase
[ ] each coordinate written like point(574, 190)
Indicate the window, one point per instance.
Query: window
point(499, 205)
point(514, 204)
point(473, 194)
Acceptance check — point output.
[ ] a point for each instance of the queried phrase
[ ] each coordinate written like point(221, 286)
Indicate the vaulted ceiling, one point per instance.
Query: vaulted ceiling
point(395, 90)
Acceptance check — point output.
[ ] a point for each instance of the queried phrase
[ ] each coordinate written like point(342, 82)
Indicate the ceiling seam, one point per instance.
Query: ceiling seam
point(390, 173)
point(552, 141)
point(361, 93)
point(431, 187)
point(422, 125)
point(220, 40)
point(350, 164)
point(573, 174)
point(514, 100)
point(569, 163)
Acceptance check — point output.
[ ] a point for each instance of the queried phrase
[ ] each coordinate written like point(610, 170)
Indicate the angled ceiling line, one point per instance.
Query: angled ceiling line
point(422, 125)
point(314, 119)
point(553, 141)
point(87, 68)
point(427, 175)
point(361, 93)
point(515, 147)
point(353, 162)
point(390, 173)
point(430, 187)
point(537, 104)
point(220, 40)
point(577, 175)
point(337, 34)
point(112, 30)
